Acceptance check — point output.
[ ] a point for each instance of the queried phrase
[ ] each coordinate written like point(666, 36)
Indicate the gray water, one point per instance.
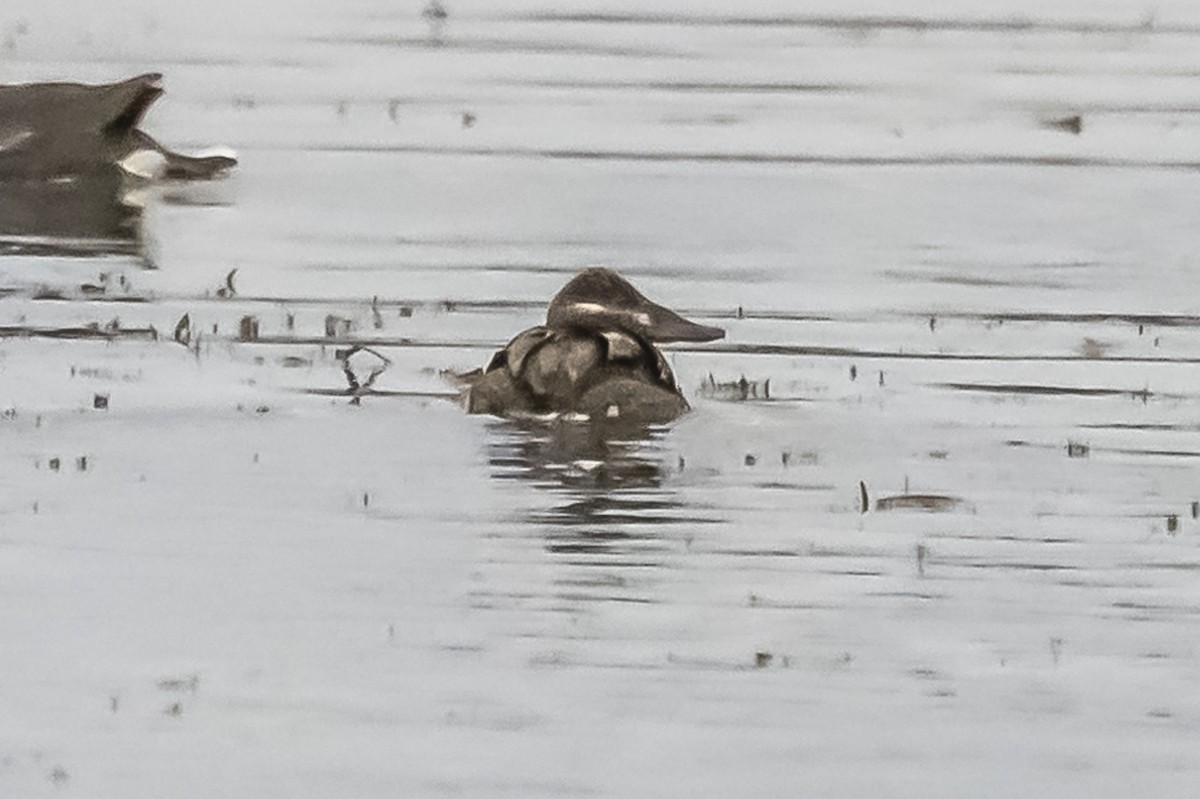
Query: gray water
point(231, 582)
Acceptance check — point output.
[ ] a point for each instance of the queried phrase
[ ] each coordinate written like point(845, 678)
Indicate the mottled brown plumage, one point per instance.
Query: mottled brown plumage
point(595, 357)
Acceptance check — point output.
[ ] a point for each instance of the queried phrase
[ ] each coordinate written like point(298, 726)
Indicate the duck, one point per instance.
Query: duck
point(595, 357)
point(62, 131)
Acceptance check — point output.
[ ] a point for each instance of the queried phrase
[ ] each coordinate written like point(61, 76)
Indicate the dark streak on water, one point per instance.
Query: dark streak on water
point(1007, 25)
point(1055, 391)
point(792, 159)
point(703, 87)
point(486, 46)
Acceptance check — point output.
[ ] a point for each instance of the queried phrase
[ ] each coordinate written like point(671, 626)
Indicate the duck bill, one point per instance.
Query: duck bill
point(665, 325)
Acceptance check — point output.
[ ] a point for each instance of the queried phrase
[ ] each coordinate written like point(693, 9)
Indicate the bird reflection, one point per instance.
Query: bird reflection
point(611, 480)
point(86, 215)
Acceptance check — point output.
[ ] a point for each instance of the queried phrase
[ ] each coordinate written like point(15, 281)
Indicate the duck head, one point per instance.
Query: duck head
point(599, 299)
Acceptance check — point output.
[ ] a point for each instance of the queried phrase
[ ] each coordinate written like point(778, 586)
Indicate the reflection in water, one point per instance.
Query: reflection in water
point(84, 216)
point(614, 523)
point(611, 479)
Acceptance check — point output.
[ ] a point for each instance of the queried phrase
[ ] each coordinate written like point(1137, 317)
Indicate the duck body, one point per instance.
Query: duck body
point(55, 131)
point(595, 357)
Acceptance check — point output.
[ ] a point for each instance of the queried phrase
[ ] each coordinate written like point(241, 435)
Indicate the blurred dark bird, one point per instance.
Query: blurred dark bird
point(59, 131)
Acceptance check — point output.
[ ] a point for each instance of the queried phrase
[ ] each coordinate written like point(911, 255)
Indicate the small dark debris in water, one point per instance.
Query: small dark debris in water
point(290, 321)
point(35, 507)
point(366, 499)
point(114, 703)
point(741, 314)
point(336, 326)
point(248, 328)
point(46, 293)
point(187, 684)
point(9, 414)
point(175, 710)
point(922, 555)
point(1056, 645)
point(100, 402)
point(1077, 449)
point(228, 290)
point(1072, 124)
point(254, 459)
point(926, 502)
point(391, 631)
point(881, 377)
point(750, 460)
point(853, 373)
point(762, 659)
point(294, 362)
point(91, 289)
point(361, 366)
point(932, 323)
point(261, 409)
point(468, 119)
point(343, 108)
point(81, 463)
point(59, 776)
point(739, 390)
point(1156, 340)
point(434, 12)
point(183, 330)
point(1172, 524)
point(54, 464)
point(376, 317)
point(682, 463)
point(406, 311)
point(1141, 329)
point(752, 600)
point(1159, 713)
point(938, 454)
point(784, 457)
point(393, 109)
point(864, 502)
point(1094, 349)
point(1196, 510)
point(215, 328)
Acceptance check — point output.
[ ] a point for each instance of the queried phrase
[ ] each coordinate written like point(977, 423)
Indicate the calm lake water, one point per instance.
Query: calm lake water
point(953, 552)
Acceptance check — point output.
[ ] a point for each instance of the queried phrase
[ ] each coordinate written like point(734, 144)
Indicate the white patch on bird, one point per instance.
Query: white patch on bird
point(144, 163)
point(613, 412)
point(588, 307)
point(642, 319)
point(12, 139)
point(135, 198)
